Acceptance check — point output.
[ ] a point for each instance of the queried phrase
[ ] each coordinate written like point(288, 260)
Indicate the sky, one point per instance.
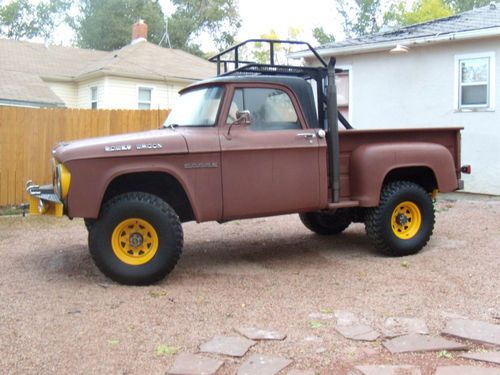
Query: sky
point(261, 16)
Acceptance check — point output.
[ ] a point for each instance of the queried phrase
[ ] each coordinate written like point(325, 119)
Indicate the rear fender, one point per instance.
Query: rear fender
point(370, 164)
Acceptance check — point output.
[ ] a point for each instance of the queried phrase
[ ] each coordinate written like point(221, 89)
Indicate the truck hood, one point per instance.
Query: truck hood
point(154, 142)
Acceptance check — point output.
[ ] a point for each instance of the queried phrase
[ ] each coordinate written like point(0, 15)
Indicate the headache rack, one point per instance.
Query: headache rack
point(229, 63)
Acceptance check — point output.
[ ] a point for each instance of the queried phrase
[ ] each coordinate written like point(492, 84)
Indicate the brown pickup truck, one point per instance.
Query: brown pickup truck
point(257, 140)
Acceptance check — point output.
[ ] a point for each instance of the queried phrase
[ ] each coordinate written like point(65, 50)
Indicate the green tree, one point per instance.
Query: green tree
point(107, 24)
point(21, 19)
point(421, 11)
point(218, 18)
point(322, 37)
point(260, 52)
point(460, 6)
point(360, 17)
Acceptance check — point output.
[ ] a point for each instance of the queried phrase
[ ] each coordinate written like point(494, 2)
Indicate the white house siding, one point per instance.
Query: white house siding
point(417, 89)
point(123, 93)
point(84, 93)
point(67, 91)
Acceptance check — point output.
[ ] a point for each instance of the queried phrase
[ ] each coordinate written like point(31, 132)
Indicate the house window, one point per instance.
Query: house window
point(144, 98)
point(475, 81)
point(93, 97)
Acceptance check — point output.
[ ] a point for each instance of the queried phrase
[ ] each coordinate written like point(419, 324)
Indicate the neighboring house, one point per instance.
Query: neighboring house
point(140, 75)
point(439, 73)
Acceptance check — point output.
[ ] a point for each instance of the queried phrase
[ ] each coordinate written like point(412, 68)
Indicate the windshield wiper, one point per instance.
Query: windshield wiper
point(172, 126)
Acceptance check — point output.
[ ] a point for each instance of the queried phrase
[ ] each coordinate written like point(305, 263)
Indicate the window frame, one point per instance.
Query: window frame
point(139, 101)
point(490, 84)
point(92, 99)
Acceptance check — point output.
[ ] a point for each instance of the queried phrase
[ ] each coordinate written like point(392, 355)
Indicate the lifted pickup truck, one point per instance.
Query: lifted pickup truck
point(257, 140)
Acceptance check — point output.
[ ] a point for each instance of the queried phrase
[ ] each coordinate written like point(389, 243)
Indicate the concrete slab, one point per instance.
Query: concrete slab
point(388, 370)
point(474, 330)
point(397, 326)
point(491, 357)
point(234, 346)
point(421, 343)
point(466, 370)
point(260, 334)
point(260, 364)
point(194, 364)
point(359, 332)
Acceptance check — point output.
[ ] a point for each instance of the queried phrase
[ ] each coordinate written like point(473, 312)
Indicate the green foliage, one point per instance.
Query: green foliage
point(421, 11)
point(360, 16)
point(260, 53)
point(322, 37)
point(460, 6)
point(219, 18)
point(107, 24)
point(21, 19)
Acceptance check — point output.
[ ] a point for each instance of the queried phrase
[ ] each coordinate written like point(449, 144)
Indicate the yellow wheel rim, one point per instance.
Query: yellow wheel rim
point(406, 220)
point(134, 241)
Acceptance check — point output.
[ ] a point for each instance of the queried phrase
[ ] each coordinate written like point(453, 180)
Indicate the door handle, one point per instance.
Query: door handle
point(307, 135)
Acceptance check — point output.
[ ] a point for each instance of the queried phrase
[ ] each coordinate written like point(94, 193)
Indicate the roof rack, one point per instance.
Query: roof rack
point(230, 58)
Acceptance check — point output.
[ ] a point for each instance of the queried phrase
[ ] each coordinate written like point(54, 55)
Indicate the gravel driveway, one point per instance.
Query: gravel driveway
point(58, 313)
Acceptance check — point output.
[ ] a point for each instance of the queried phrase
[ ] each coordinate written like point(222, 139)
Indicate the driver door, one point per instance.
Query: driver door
point(270, 166)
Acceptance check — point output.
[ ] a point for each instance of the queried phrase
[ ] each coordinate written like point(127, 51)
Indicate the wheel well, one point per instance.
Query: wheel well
point(160, 184)
point(422, 176)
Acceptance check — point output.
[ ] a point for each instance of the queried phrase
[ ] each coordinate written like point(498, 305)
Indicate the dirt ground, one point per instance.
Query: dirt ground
point(59, 314)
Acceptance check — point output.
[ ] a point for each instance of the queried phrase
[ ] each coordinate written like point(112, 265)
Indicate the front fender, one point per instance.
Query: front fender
point(370, 164)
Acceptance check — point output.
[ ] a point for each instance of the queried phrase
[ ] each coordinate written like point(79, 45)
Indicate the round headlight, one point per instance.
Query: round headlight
point(62, 179)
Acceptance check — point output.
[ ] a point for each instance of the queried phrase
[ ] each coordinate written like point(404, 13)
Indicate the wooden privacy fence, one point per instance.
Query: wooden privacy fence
point(27, 136)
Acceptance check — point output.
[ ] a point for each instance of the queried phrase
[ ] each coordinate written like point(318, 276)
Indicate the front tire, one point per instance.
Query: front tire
point(327, 223)
point(404, 220)
point(137, 239)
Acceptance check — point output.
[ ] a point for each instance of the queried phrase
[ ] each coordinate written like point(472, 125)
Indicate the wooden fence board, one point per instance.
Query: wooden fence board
point(27, 136)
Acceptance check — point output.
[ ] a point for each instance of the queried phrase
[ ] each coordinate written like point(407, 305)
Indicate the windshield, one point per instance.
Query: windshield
point(196, 108)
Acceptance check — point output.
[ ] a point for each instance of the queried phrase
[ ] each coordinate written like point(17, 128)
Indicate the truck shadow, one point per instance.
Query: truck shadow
point(290, 251)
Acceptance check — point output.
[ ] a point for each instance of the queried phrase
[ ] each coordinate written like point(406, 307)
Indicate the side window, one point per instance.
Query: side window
point(271, 109)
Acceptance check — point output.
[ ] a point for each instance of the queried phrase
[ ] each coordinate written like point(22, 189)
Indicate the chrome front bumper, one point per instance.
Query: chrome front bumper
point(43, 200)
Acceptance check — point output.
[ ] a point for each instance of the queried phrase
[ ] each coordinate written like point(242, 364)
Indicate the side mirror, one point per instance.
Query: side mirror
point(242, 118)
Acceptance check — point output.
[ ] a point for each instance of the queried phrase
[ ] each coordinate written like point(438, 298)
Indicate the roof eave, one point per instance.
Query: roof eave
point(102, 73)
point(382, 46)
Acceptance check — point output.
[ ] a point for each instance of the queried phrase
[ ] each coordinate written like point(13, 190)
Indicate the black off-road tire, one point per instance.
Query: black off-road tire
point(327, 223)
point(378, 220)
point(89, 223)
point(159, 215)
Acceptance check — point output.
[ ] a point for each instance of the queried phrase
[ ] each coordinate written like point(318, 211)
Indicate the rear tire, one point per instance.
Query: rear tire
point(137, 239)
point(404, 220)
point(327, 223)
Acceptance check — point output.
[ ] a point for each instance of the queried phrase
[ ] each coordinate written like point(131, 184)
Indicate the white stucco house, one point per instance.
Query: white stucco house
point(440, 73)
point(140, 75)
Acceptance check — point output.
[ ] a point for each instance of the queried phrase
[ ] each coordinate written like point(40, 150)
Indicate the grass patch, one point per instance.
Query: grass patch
point(11, 210)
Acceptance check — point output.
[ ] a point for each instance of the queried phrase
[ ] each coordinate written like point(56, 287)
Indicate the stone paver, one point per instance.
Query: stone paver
point(466, 370)
point(234, 346)
point(260, 334)
point(492, 357)
point(193, 364)
point(302, 372)
point(473, 330)
point(260, 364)
point(397, 326)
point(388, 370)
point(421, 343)
point(359, 332)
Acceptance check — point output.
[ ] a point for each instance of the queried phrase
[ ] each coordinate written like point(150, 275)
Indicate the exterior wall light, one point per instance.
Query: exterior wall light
point(399, 49)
